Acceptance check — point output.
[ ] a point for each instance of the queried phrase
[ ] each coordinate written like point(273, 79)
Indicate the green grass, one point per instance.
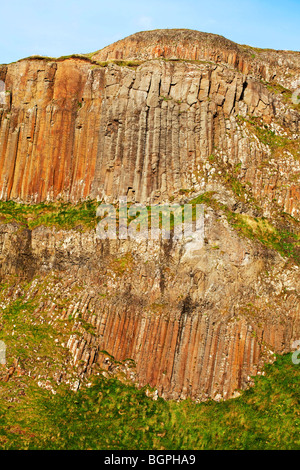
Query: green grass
point(277, 143)
point(111, 415)
point(64, 215)
point(28, 335)
point(82, 216)
point(85, 58)
point(284, 92)
point(259, 228)
point(285, 242)
point(58, 214)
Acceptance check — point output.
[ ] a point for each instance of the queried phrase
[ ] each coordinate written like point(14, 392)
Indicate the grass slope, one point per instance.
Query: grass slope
point(108, 414)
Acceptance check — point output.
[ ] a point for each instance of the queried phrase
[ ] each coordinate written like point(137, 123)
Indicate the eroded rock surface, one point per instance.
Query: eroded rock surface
point(196, 114)
point(197, 323)
point(73, 129)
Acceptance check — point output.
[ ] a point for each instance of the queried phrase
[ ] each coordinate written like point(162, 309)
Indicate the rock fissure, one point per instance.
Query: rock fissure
point(173, 116)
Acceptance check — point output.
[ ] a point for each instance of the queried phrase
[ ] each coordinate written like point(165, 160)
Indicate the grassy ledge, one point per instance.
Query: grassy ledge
point(259, 229)
point(64, 215)
point(82, 217)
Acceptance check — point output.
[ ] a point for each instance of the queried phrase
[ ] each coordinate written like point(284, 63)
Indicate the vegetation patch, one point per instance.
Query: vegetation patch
point(105, 413)
point(63, 215)
point(114, 416)
point(278, 144)
point(122, 264)
point(285, 242)
point(85, 58)
point(284, 92)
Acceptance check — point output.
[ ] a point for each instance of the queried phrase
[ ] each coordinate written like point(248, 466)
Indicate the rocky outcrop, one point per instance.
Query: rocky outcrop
point(184, 44)
point(72, 129)
point(157, 117)
point(198, 322)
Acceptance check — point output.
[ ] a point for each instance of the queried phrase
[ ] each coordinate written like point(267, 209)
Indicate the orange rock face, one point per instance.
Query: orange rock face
point(43, 154)
point(183, 44)
point(196, 114)
point(72, 129)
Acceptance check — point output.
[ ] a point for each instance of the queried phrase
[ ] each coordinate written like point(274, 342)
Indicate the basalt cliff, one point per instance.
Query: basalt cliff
point(159, 117)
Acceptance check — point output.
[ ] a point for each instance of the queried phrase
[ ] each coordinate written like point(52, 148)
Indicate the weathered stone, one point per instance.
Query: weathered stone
point(73, 130)
point(192, 117)
point(198, 323)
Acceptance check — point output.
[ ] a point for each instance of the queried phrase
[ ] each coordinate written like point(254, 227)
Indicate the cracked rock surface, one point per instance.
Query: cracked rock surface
point(162, 116)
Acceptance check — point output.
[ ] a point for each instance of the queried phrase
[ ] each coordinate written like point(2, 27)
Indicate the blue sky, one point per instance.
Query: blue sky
point(61, 27)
